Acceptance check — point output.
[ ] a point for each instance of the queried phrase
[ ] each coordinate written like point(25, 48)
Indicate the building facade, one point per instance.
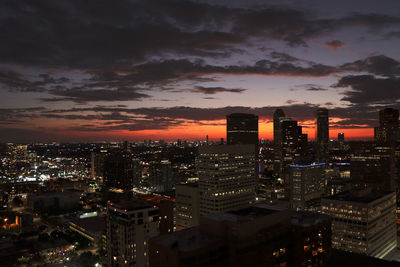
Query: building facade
point(187, 206)
point(307, 183)
point(242, 129)
point(130, 224)
point(363, 222)
point(322, 134)
point(227, 178)
point(253, 236)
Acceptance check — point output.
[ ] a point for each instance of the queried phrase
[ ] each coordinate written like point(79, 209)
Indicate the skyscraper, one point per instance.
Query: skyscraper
point(341, 141)
point(388, 130)
point(162, 175)
point(374, 166)
point(307, 183)
point(322, 133)
point(242, 129)
point(121, 174)
point(227, 180)
point(293, 147)
point(278, 114)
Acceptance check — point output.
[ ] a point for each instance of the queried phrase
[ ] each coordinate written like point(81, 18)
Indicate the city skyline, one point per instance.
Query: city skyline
point(134, 70)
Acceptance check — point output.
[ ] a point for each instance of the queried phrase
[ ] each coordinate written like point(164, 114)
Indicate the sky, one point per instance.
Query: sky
point(102, 70)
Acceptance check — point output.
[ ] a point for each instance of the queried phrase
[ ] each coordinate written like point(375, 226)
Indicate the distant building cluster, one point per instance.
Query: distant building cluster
point(239, 202)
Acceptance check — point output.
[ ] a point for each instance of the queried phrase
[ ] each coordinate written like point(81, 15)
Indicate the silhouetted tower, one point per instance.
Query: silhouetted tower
point(388, 130)
point(242, 129)
point(278, 114)
point(322, 133)
point(341, 141)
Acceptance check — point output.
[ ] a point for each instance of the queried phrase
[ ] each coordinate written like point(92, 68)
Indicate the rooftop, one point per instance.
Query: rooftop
point(245, 214)
point(130, 205)
point(360, 196)
point(92, 224)
point(305, 219)
point(185, 240)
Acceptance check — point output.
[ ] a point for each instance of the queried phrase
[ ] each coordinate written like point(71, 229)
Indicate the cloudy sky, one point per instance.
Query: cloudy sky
point(92, 70)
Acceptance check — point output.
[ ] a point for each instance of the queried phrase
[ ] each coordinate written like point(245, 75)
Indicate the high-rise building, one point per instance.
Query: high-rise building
point(363, 221)
point(121, 174)
point(187, 205)
point(242, 129)
point(341, 141)
point(227, 180)
point(374, 166)
point(387, 133)
point(322, 134)
point(253, 236)
point(130, 225)
point(307, 184)
point(293, 148)
point(162, 176)
point(278, 114)
point(97, 164)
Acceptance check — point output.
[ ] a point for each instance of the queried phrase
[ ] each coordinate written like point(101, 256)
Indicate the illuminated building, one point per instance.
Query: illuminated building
point(293, 147)
point(278, 114)
point(162, 176)
point(227, 179)
point(307, 184)
point(322, 134)
point(166, 206)
point(187, 205)
point(242, 129)
point(388, 130)
point(253, 236)
point(97, 165)
point(18, 152)
point(374, 166)
point(130, 225)
point(363, 221)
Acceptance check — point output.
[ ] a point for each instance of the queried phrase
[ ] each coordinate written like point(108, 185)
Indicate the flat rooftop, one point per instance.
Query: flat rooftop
point(249, 213)
point(130, 205)
point(185, 240)
point(359, 196)
point(92, 224)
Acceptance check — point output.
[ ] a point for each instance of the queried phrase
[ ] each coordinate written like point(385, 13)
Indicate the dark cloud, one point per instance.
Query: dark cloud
point(379, 65)
point(367, 89)
point(334, 44)
point(96, 34)
point(214, 90)
point(283, 57)
point(392, 35)
point(17, 82)
point(352, 115)
point(309, 87)
point(316, 88)
point(84, 96)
